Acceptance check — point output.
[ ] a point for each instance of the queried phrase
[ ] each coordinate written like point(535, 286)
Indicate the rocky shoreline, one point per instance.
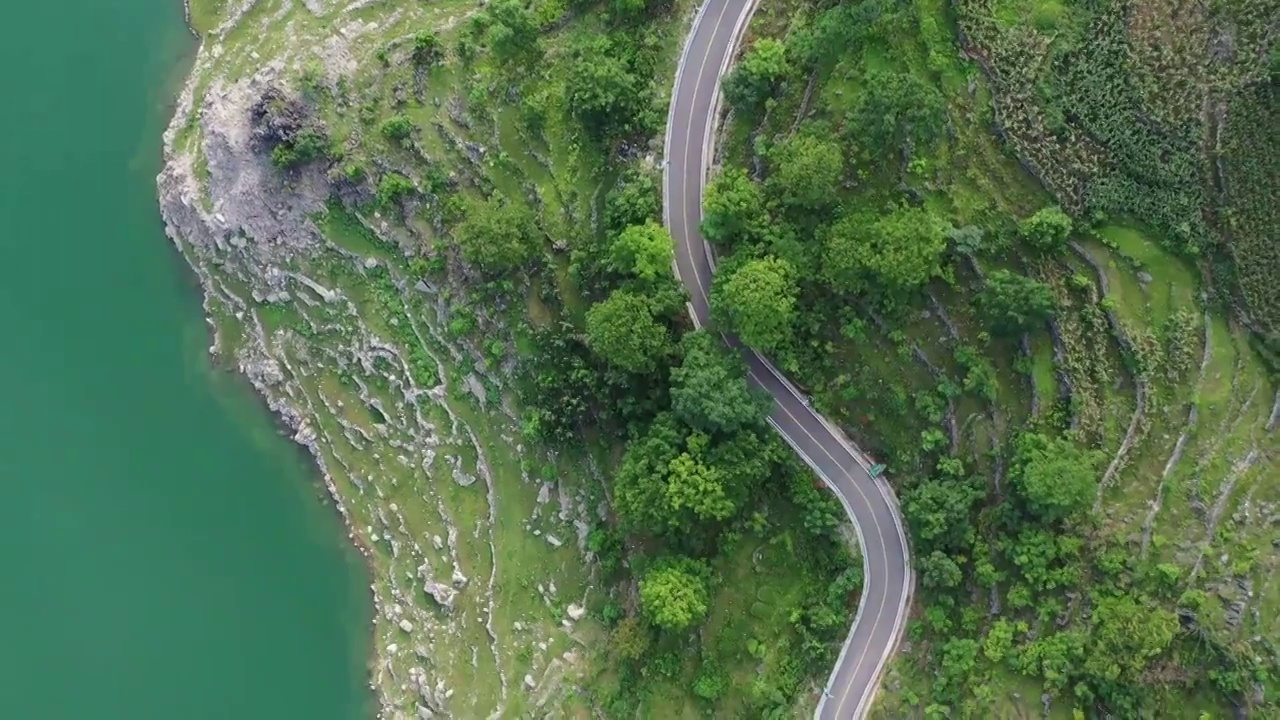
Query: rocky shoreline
point(249, 233)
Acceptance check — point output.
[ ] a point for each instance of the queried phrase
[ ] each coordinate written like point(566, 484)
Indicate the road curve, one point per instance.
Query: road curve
point(869, 502)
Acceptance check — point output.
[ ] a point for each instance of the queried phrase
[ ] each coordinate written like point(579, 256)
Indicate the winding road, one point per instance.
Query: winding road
point(868, 501)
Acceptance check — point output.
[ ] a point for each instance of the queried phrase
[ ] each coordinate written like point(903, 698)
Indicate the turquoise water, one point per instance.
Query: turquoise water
point(163, 548)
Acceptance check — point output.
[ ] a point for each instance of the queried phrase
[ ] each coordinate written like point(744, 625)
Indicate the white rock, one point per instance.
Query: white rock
point(528, 681)
point(392, 648)
point(406, 626)
point(438, 542)
point(442, 594)
point(577, 612)
point(555, 541)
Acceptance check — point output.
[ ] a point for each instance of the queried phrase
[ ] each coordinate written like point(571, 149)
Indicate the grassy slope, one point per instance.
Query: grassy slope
point(1208, 505)
point(566, 179)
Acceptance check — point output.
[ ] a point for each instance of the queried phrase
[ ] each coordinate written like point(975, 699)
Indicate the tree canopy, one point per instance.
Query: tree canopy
point(1013, 302)
point(512, 32)
point(623, 331)
point(644, 251)
point(901, 250)
point(733, 209)
point(605, 93)
point(427, 48)
point(937, 570)
point(897, 108)
point(1054, 476)
point(756, 74)
point(938, 513)
point(805, 172)
point(709, 389)
point(1127, 635)
point(633, 200)
point(757, 300)
point(1047, 229)
point(674, 594)
point(673, 478)
point(498, 236)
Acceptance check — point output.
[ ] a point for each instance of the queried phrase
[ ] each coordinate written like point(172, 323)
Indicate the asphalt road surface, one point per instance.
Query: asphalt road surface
point(869, 502)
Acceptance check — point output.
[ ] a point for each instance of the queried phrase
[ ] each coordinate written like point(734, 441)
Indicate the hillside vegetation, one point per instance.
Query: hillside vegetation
point(429, 232)
point(1024, 253)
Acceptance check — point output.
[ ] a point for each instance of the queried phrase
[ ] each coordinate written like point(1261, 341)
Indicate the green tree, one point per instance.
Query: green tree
point(645, 251)
point(1047, 229)
point(733, 209)
point(394, 187)
point(1055, 477)
point(623, 331)
point(757, 73)
point(306, 146)
point(695, 485)
point(498, 236)
point(709, 388)
point(636, 8)
point(937, 570)
point(633, 200)
point(806, 172)
point(959, 661)
point(998, 644)
point(1056, 657)
point(630, 640)
point(757, 300)
point(1048, 560)
point(938, 513)
point(561, 385)
point(606, 95)
point(512, 33)
point(427, 49)
point(834, 31)
point(897, 108)
point(901, 250)
point(672, 480)
point(712, 681)
point(1127, 634)
point(396, 128)
point(1013, 303)
point(674, 594)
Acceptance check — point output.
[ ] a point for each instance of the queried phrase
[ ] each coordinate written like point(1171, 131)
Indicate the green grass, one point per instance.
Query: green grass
point(346, 230)
point(205, 14)
point(1174, 285)
point(1044, 15)
point(759, 584)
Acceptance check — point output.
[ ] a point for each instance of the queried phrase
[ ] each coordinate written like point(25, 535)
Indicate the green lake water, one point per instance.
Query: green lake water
point(164, 552)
